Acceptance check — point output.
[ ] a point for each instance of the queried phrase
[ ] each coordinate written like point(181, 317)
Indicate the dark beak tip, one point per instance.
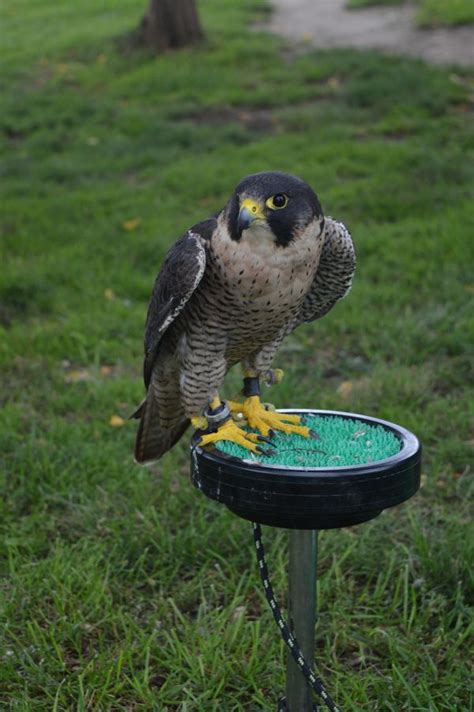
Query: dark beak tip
point(244, 220)
point(243, 224)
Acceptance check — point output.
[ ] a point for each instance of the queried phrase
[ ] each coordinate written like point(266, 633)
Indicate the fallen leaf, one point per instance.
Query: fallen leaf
point(131, 224)
point(238, 612)
point(334, 82)
point(105, 370)
point(116, 421)
point(345, 389)
point(109, 294)
point(92, 140)
point(78, 375)
point(101, 59)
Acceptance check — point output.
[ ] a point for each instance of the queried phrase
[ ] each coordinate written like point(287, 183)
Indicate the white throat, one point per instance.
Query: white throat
point(259, 237)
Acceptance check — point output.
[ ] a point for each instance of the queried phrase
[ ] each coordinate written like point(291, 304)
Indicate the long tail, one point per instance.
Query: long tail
point(153, 440)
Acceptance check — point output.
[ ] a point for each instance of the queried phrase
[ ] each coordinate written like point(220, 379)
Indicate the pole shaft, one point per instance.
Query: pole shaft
point(302, 614)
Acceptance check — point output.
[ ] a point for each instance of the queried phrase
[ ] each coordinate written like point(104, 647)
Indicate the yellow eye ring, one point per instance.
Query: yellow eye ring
point(277, 202)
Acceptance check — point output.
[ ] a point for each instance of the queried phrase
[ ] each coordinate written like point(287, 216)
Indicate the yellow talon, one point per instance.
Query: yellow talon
point(230, 431)
point(199, 422)
point(278, 374)
point(235, 406)
point(274, 376)
point(265, 421)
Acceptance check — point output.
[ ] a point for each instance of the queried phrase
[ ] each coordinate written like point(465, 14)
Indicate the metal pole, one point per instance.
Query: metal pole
point(302, 614)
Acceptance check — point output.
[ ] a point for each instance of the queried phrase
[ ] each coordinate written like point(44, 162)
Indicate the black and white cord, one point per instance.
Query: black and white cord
point(286, 634)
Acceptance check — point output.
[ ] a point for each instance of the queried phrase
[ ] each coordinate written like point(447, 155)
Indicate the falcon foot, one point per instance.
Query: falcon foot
point(267, 421)
point(226, 429)
point(273, 376)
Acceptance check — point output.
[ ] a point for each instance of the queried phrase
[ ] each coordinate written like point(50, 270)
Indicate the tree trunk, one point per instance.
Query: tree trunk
point(169, 24)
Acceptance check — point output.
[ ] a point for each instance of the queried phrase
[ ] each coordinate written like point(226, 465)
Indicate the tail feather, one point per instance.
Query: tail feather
point(152, 439)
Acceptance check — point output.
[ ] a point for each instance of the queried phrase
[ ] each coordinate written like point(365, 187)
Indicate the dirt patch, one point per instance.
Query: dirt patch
point(252, 118)
point(328, 23)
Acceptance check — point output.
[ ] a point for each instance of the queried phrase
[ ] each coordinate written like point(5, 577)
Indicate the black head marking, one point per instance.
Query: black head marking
point(302, 206)
point(232, 215)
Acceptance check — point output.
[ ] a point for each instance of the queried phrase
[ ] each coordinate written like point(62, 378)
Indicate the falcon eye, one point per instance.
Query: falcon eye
point(277, 202)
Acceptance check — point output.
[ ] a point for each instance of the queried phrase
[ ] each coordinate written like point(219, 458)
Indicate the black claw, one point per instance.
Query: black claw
point(262, 439)
point(266, 451)
point(271, 433)
point(197, 437)
point(313, 434)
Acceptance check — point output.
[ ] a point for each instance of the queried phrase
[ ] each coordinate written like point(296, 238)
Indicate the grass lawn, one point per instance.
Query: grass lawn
point(431, 13)
point(123, 588)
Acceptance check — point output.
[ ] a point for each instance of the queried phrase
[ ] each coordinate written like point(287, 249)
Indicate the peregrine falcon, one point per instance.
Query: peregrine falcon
point(229, 291)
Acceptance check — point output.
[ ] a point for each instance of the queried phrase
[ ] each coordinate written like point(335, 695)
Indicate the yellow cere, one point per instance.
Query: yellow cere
point(253, 207)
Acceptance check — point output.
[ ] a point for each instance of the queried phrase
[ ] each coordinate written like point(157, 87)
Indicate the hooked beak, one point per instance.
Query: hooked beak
point(249, 212)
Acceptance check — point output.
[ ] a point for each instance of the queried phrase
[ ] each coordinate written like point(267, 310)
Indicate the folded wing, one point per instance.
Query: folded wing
point(334, 275)
point(179, 276)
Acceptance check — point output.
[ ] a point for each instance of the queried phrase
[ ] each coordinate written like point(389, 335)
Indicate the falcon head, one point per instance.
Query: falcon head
point(273, 205)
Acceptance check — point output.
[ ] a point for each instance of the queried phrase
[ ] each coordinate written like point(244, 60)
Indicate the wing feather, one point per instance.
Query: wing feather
point(334, 275)
point(180, 274)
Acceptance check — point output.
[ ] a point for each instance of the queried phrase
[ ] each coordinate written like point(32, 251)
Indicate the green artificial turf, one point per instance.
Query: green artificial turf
point(343, 442)
point(121, 587)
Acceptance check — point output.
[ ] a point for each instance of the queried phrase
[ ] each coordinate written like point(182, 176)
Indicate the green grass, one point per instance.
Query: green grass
point(354, 4)
point(431, 12)
point(123, 588)
point(446, 12)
